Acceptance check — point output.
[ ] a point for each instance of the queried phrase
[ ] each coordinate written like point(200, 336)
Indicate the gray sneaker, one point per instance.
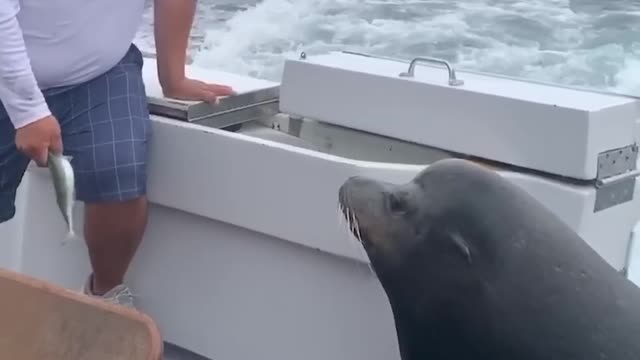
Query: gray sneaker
point(120, 295)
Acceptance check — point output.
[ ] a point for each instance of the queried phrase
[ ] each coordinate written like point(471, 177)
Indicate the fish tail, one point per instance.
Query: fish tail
point(71, 235)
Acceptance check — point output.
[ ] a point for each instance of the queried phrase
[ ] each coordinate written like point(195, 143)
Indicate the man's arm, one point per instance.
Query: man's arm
point(19, 90)
point(37, 131)
point(172, 25)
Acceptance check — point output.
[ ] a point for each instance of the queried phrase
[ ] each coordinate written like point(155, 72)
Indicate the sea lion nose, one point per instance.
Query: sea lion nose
point(351, 182)
point(358, 180)
point(355, 178)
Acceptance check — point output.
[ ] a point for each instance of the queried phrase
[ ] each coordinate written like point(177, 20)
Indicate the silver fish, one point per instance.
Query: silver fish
point(64, 185)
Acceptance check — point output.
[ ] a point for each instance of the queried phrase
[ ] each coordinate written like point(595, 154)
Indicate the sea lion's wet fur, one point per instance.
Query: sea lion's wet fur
point(475, 268)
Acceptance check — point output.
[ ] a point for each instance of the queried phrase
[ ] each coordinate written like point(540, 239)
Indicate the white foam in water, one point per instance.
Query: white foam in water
point(577, 42)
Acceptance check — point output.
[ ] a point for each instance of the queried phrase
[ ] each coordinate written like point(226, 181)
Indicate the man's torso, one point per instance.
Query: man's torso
point(72, 41)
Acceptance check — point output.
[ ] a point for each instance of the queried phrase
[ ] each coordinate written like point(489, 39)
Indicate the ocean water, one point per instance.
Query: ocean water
point(593, 43)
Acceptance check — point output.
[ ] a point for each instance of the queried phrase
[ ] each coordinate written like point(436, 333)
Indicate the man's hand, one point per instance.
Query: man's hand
point(189, 89)
point(172, 25)
point(37, 138)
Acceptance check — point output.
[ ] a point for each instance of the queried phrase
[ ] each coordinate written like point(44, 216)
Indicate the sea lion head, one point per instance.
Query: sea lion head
point(434, 235)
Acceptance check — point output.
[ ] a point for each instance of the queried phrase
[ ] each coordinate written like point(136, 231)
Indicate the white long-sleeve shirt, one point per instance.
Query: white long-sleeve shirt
point(50, 43)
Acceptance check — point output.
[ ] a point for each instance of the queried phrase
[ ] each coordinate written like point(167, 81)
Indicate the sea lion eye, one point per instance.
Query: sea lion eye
point(396, 203)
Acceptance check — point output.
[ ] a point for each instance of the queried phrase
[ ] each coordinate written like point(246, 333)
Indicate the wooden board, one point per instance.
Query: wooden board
point(41, 321)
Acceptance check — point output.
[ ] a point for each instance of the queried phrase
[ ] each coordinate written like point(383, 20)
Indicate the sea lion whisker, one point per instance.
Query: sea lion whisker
point(357, 230)
point(373, 272)
point(353, 229)
point(351, 226)
point(345, 214)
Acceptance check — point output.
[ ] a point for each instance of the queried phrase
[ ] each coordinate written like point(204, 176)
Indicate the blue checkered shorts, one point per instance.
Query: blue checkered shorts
point(105, 128)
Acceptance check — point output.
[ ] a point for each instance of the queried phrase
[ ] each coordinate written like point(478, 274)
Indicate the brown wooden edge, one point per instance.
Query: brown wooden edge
point(152, 328)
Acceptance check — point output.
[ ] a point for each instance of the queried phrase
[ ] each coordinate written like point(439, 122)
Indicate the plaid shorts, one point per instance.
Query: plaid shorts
point(105, 128)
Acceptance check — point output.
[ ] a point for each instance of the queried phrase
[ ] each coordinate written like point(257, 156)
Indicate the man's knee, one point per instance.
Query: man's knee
point(8, 189)
point(7, 212)
point(12, 168)
point(8, 186)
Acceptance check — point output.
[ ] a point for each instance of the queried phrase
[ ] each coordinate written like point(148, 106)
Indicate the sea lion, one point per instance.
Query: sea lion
point(475, 268)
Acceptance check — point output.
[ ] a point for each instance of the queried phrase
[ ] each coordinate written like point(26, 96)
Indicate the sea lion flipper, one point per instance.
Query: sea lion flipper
point(461, 244)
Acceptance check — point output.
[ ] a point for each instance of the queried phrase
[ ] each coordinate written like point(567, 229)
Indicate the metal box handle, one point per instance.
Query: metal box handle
point(453, 81)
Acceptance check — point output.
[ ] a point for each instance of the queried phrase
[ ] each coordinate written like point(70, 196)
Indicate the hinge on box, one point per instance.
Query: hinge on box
point(616, 179)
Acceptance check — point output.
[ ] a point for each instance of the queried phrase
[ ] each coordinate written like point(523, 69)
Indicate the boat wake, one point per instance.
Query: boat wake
point(578, 42)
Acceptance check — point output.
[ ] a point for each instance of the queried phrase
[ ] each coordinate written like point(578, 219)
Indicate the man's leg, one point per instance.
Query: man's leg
point(107, 134)
point(113, 232)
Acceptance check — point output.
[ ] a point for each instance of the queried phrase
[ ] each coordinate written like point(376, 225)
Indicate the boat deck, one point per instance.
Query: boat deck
point(172, 352)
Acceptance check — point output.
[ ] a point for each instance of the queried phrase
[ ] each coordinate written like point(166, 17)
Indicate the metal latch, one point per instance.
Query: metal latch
point(616, 178)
